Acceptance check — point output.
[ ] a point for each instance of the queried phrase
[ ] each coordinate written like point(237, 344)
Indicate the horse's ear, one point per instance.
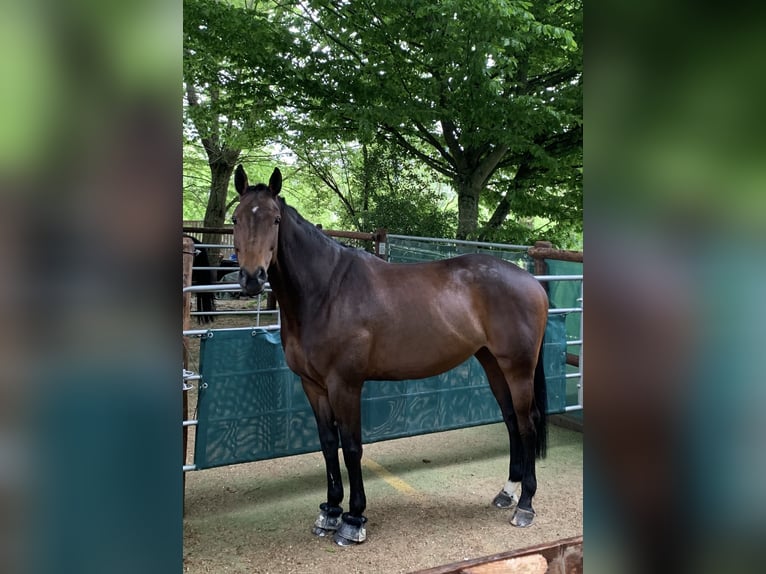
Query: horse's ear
point(275, 182)
point(240, 179)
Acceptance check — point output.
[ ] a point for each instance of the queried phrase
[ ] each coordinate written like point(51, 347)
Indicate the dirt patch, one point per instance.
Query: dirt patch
point(256, 517)
point(428, 500)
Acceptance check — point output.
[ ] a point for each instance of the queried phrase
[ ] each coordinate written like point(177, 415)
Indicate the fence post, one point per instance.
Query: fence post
point(381, 243)
point(188, 249)
point(541, 267)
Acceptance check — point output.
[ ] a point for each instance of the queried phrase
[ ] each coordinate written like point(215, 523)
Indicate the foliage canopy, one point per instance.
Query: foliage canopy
point(483, 94)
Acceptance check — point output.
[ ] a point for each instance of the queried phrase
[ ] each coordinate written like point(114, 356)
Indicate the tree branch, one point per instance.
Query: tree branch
point(327, 178)
point(450, 136)
point(551, 79)
point(329, 35)
point(191, 95)
point(425, 135)
point(525, 172)
point(425, 158)
point(488, 166)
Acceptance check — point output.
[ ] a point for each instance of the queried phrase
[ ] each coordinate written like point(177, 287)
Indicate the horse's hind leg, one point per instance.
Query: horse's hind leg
point(507, 497)
point(330, 512)
point(518, 375)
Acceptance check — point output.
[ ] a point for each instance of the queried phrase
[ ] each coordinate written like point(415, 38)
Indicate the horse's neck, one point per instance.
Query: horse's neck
point(306, 264)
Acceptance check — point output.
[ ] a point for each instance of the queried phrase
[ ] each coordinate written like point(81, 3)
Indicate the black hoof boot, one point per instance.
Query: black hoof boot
point(504, 500)
point(328, 521)
point(351, 530)
point(523, 518)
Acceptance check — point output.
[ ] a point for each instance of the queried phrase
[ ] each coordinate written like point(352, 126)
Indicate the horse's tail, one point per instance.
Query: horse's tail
point(205, 301)
point(541, 402)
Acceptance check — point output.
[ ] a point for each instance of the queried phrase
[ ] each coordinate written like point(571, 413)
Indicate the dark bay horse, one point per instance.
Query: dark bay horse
point(347, 316)
point(205, 300)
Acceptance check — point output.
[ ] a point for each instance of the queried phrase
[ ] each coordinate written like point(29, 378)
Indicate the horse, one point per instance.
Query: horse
point(205, 301)
point(348, 317)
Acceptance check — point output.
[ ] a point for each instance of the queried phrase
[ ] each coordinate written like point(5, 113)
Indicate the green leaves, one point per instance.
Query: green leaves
point(505, 75)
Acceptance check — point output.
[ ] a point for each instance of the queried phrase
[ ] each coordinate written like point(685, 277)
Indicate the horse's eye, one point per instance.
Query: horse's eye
point(233, 220)
point(277, 220)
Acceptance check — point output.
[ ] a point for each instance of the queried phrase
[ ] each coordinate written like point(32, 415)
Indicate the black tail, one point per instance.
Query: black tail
point(205, 301)
point(541, 402)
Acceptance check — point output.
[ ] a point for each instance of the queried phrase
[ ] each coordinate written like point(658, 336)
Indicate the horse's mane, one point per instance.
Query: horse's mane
point(317, 234)
point(312, 230)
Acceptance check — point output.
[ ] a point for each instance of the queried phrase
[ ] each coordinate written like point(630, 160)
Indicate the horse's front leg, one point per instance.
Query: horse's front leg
point(329, 519)
point(345, 399)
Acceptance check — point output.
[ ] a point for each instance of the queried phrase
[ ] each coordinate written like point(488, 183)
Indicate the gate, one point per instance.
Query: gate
point(252, 407)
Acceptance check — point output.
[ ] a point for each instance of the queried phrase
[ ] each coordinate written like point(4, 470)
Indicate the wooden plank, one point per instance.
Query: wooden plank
point(558, 254)
point(533, 564)
point(573, 359)
point(562, 557)
point(364, 236)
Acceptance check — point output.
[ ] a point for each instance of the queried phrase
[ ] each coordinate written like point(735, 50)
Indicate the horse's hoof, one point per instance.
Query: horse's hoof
point(522, 518)
point(504, 500)
point(341, 541)
point(351, 531)
point(321, 532)
point(328, 521)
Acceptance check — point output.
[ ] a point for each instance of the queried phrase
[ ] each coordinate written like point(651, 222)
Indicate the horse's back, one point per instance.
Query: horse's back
point(475, 275)
point(417, 319)
point(499, 290)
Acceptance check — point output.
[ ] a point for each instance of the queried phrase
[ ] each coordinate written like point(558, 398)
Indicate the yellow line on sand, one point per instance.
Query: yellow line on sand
point(383, 473)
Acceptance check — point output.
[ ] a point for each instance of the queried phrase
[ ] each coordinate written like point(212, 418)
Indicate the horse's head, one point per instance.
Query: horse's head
point(256, 229)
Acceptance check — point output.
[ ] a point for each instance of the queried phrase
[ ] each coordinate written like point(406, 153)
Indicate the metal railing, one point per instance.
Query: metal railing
point(576, 342)
point(190, 377)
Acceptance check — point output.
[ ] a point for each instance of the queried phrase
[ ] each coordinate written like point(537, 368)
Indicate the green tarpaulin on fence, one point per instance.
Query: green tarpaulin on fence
point(252, 407)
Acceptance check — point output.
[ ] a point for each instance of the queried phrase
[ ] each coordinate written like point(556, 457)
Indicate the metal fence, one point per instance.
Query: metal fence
point(563, 281)
point(250, 406)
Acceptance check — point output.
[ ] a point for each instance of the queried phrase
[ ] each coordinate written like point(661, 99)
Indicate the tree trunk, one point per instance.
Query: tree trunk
point(221, 169)
point(467, 209)
point(475, 168)
point(366, 185)
point(221, 160)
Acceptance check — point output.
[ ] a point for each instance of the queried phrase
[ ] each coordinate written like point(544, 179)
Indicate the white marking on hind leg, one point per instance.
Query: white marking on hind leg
point(255, 209)
point(511, 488)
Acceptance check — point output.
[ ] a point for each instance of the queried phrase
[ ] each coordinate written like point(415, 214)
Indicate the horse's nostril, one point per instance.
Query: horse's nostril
point(253, 282)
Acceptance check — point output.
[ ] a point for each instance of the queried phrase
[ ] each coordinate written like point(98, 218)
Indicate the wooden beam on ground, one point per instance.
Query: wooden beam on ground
point(559, 557)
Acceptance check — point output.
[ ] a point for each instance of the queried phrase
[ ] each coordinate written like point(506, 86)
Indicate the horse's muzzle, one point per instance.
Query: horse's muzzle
point(253, 284)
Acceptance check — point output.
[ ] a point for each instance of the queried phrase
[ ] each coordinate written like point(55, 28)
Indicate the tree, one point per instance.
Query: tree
point(486, 93)
point(226, 109)
point(196, 183)
point(377, 185)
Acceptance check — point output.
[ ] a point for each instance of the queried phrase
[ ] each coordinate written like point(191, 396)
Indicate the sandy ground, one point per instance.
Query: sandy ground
point(428, 502)
point(428, 505)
